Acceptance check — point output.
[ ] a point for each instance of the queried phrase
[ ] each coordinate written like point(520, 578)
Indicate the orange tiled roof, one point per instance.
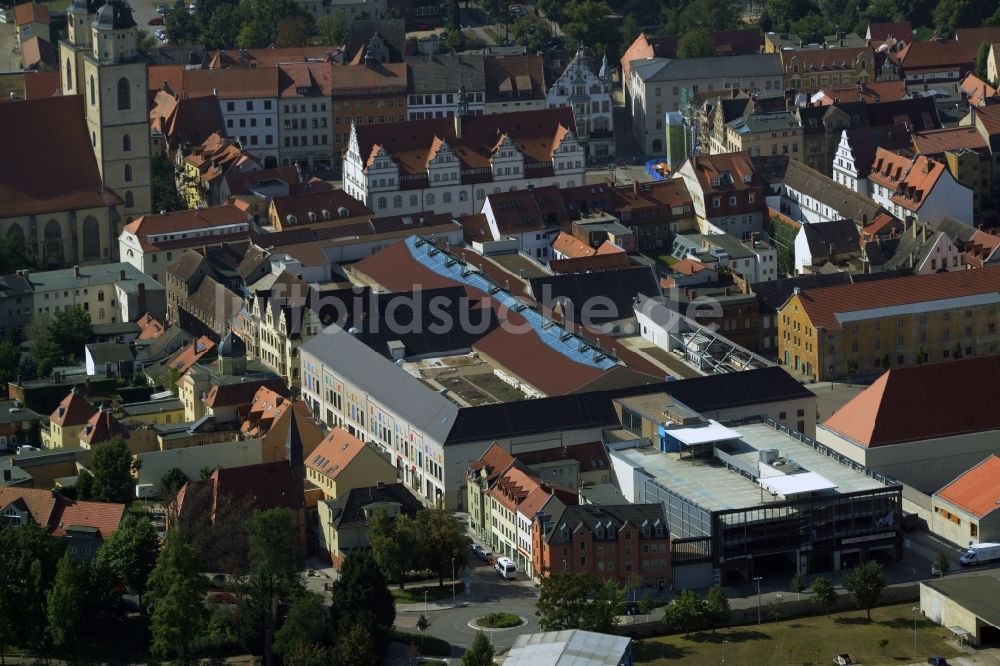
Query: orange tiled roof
point(607, 247)
point(413, 143)
point(267, 406)
point(977, 89)
point(572, 247)
point(931, 55)
point(823, 304)
point(183, 221)
point(935, 142)
point(689, 267)
point(349, 79)
point(101, 427)
point(191, 354)
point(825, 60)
point(334, 453)
point(911, 178)
point(977, 490)
point(59, 513)
point(150, 327)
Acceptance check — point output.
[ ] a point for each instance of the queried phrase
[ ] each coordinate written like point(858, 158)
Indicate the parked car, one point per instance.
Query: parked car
point(161, 9)
point(475, 548)
point(156, 20)
point(484, 555)
point(937, 661)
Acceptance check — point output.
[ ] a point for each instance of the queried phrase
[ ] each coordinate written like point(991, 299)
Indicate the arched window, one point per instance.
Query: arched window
point(381, 203)
point(93, 91)
point(124, 95)
point(68, 83)
point(128, 173)
point(91, 238)
point(397, 201)
point(430, 198)
point(129, 200)
point(126, 143)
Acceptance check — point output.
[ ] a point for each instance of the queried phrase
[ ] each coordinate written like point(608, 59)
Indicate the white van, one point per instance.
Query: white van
point(505, 567)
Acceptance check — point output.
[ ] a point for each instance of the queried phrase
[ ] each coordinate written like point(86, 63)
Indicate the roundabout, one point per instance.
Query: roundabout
point(497, 622)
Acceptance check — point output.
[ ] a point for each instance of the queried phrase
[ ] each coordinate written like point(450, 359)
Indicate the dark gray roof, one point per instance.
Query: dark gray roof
point(620, 286)
point(392, 32)
point(978, 593)
point(833, 237)
point(115, 15)
point(447, 73)
point(109, 352)
point(738, 389)
point(617, 516)
point(959, 232)
point(865, 141)
point(716, 67)
point(352, 512)
point(232, 346)
point(844, 201)
point(765, 122)
point(22, 413)
point(14, 285)
point(910, 247)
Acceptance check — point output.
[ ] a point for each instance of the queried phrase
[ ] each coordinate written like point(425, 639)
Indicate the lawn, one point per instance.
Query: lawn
point(668, 259)
point(413, 595)
point(811, 640)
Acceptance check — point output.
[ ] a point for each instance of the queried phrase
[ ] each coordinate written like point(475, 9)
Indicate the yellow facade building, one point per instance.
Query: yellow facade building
point(342, 462)
point(864, 328)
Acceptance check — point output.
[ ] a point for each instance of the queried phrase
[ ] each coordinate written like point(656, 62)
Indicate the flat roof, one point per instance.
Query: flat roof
point(570, 647)
point(715, 488)
point(797, 484)
point(977, 593)
point(703, 433)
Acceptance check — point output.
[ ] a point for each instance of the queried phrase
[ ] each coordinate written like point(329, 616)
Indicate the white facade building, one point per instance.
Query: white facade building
point(439, 165)
point(919, 186)
point(587, 91)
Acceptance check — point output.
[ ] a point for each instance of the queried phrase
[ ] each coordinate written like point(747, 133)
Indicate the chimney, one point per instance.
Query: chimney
point(458, 126)
point(76, 271)
point(913, 227)
point(797, 291)
point(140, 298)
point(121, 274)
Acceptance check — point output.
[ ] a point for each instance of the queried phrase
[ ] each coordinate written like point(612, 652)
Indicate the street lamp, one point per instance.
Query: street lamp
point(453, 581)
point(757, 580)
point(724, 641)
point(915, 610)
point(425, 603)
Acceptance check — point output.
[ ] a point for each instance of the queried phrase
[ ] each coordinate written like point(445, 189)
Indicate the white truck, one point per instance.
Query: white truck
point(980, 553)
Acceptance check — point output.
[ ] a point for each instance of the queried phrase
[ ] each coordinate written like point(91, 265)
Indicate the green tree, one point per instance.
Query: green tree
point(67, 606)
point(360, 596)
point(10, 362)
point(993, 20)
point(172, 481)
point(164, 189)
point(14, 254)
point(84, 485)
point(70, 328)
point(779, 13)
point(710, 15)
point(268, 16)
point(783, 237)
point(176, 590)
point(823, 594)
point(812, 29)
point(588, 22)
point(34, 611)
point(306, 624)
point(774, 608)
point(941, 563)
point(357, 647)
point(273, 540)
point(441, 542)
point(551, 9)
point(883, 643)
point(113, 480)
point(531, 31)
point(223, 27)
point(393, 542)
point(206, 472)
point(21, 547)
point(685, 613)
point(129, 555)
point(717, 611)
point(578, 601)
point(480, 653)
point(866, 582)
point(695, 43)
point(952, 14)
point(982, 56)
point(456, 41)
point(293, 32)
point(183, 28)
point(252, 35)
point(798, 584)
point(334, 29)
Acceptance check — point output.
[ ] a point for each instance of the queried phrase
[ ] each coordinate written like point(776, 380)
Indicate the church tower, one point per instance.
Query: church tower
point(101, 61)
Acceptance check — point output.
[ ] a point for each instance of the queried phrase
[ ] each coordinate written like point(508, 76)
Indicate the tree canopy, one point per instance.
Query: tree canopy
point(112, 468)
point(360, 596)
point(695, 43)
point(176, 591)
point(866, 582)
point(130, 553)
point(571, 600)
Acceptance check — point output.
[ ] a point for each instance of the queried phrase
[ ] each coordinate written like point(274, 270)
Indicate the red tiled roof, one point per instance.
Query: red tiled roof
point(414, 143)
point(604, 262)
point(357, 79)
point(184, 221)
point(495, 460)
point(73, 410)
point(37, 52)
point(150, 327)
point(161, 76)
point(978, 490)
point(709, 167)
point(888, 91)
point(55, 169)
point(522, 77)
point(528, 210)
point(191, 354)
point(104, 516)
point(263, 58)
point(31, 12)
point(823, 304)
point(572, 247)
point(900, 31)
point(911, 178)
point(330, 201)
point(101, 427)
point(337, 450)
point(38, 85)
point(59, 513)
point(607, 247)
point(936, 142)
point(271, 485)
point(591, 456)
point(932, 55)
point(689, 267)
point(302, 79)
point(977, 89)
point(266, 407)
point(230, 83)
point(923, 402)
point(825, 60)
point(242, 394)
point(475, 228)
point(969, 39)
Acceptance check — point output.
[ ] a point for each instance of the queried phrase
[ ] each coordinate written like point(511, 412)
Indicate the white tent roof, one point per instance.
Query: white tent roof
point(796, 484)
